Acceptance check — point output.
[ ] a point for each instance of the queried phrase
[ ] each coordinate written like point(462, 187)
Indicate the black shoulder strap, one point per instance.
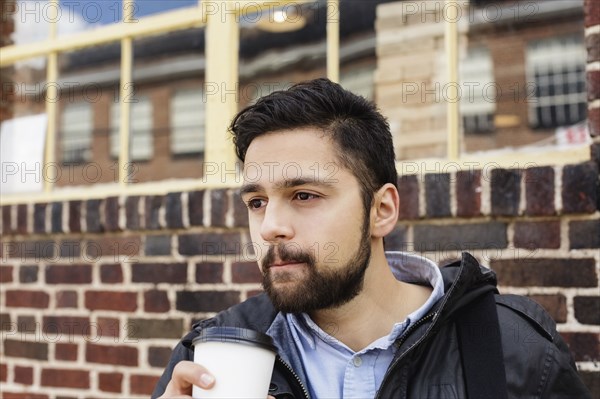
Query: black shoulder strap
point(481, 349)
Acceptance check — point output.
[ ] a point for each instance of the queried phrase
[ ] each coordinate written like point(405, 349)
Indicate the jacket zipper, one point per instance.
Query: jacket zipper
point(298, 380)
point(399, 343)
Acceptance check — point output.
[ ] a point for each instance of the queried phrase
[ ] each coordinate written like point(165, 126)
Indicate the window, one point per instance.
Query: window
point(141, 146)
point(76, 128)
point(477, 102)
point(187, 122)
point(556, 68)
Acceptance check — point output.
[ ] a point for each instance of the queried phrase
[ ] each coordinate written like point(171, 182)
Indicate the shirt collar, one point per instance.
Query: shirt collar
point(407, 267)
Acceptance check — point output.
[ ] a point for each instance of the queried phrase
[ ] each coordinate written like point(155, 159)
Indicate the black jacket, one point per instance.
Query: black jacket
point(427, 363)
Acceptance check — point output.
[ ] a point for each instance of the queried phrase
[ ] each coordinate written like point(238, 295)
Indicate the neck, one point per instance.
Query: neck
point(383, 302)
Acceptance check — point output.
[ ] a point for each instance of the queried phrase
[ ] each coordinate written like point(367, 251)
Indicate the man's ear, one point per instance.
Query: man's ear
point(384, 212)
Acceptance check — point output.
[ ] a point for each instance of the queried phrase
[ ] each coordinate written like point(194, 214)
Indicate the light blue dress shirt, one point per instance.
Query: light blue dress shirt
point(333, 370)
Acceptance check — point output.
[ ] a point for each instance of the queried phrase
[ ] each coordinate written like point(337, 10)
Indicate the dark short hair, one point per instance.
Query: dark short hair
point(359, 131)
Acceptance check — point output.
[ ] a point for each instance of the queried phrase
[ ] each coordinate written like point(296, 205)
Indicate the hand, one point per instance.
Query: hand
point(185, 375)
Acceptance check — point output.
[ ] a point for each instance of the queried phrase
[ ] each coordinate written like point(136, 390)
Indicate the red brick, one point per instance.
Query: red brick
point(173, 210)
point(111, 274)
point(27, 299)
point(110, 382)
point(26, 349)
point(39, 218)
point(240, 210)
point(113, 248)
point(108, 327)
point(196, 207)
point(579, 194)
point(592, 12)
point(21, 395)
point(26, 324)
point(92, 216)
point(468, 193)
point(593, 85)
point(111, 213)
point(159, 273)
point(539, 191)
point(591, 379)
point(3, 372)
point(437, 194)
point(66, 326)
point(209, 272)
point(506, 192)
point(227, 243)
point(584, 234)
point(154, 328)
point(132, 214)
point(67, 378)
point(206, 301)
point(117, 355)
point(74, 216)
point(408, 189)
point(546, 272)
point(111, 300)
point(245, 272)
point(56, 222)
point(157, 245)
point(24, 375)
point(6, 274)
point(537, 234)
point(22, 219)
point(156, 301)
point(66, 352)
point(159, 356)
point(218, 207)
point(66, 299)
point(555, 305)
point(152, 206)
point(6, 219)
point(444, 237)
point(592, 44)
point(587, 309)
point(594, 121)
point(142, 384)
point(68, 274)
point(585, 347)
point(28, 274)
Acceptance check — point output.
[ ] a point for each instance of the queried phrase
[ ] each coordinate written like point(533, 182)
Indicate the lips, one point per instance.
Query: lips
point(281, 264)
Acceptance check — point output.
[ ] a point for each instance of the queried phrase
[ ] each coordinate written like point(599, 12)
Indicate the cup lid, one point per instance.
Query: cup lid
point(237, 335)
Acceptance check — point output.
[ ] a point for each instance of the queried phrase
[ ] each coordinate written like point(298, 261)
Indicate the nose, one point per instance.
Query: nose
point(276, 225)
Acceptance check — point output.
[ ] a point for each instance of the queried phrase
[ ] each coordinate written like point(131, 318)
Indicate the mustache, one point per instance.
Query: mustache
point(287, 253)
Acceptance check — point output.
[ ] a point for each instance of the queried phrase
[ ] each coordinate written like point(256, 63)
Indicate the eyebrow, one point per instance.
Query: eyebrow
point(285, 184)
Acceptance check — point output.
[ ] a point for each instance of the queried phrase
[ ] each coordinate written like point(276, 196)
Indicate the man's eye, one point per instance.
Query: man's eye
point(305, 196)
point(255, 203)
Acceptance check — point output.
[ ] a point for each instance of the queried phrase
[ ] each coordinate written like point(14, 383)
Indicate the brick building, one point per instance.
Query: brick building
point(95, 292)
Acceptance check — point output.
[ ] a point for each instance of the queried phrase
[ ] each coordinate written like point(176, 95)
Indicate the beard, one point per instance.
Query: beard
point(314, 287)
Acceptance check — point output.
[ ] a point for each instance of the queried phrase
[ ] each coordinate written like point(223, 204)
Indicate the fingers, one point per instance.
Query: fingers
point(185, 375)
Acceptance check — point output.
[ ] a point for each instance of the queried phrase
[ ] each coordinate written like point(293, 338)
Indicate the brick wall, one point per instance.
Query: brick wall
point(95, 293)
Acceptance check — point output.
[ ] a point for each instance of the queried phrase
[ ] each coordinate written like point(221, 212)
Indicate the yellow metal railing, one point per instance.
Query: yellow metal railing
point(221, 19)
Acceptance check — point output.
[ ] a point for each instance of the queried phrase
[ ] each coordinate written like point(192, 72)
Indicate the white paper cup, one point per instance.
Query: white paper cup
point(240, 359)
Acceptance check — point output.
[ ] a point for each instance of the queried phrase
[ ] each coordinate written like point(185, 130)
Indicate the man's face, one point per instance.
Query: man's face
point(307, 220)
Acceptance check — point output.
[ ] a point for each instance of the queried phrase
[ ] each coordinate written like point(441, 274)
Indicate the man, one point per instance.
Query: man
point(348, 319)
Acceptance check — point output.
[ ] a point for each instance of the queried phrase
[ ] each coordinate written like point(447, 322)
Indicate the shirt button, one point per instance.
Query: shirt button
point(357, 361)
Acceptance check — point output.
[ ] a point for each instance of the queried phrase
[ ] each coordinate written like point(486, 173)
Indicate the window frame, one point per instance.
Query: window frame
point(216, 146)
